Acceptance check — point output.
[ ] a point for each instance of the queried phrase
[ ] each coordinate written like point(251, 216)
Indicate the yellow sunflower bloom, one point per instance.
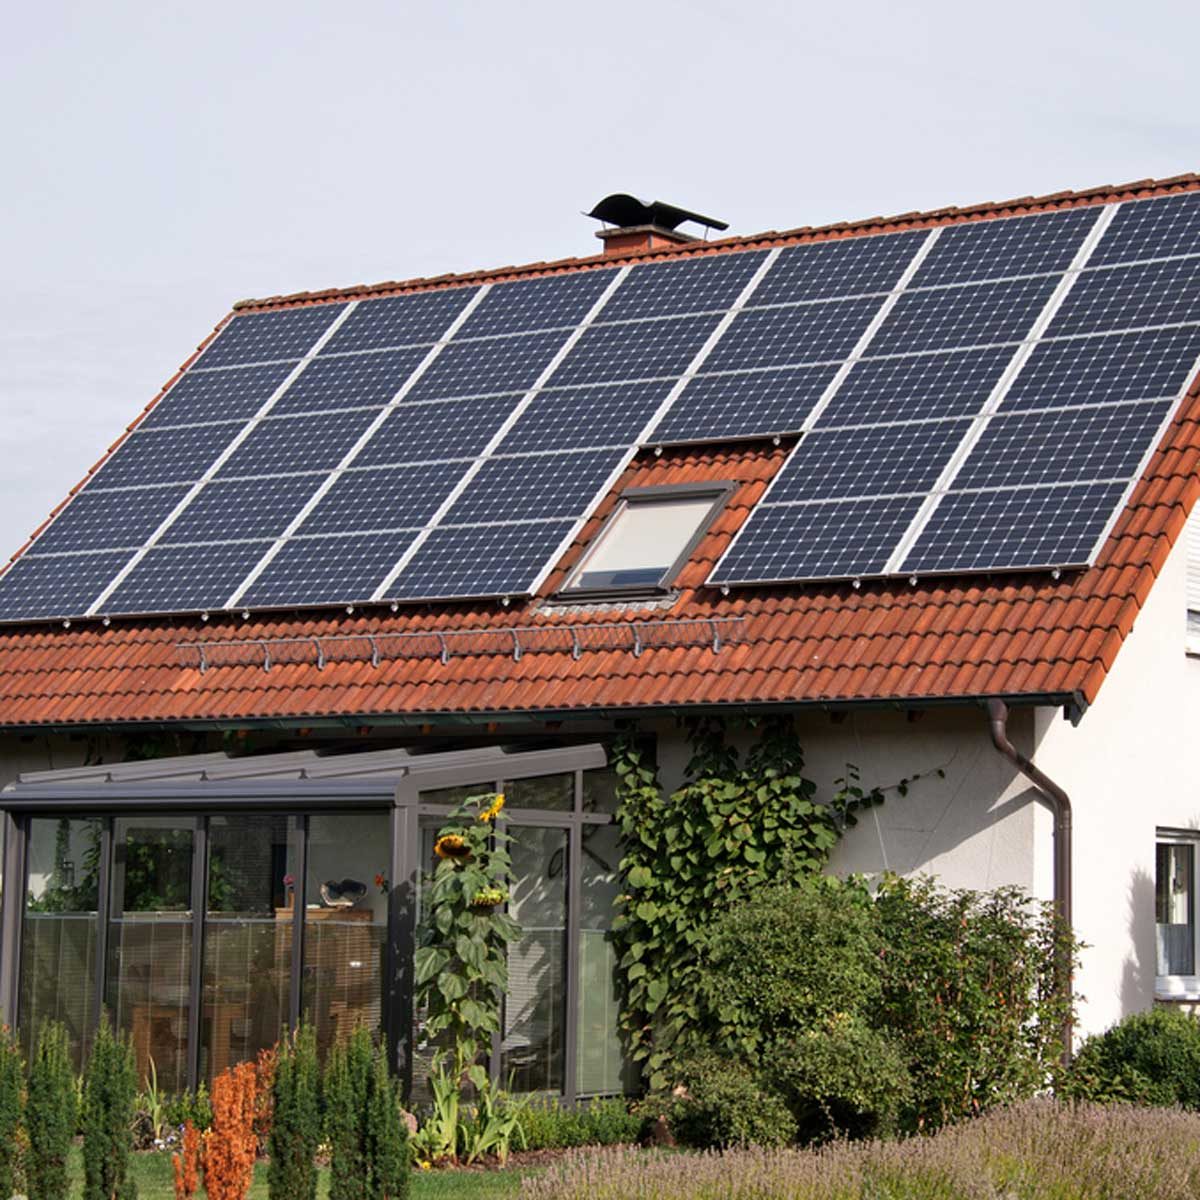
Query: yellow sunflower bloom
point(451, 846)
point(492, 812)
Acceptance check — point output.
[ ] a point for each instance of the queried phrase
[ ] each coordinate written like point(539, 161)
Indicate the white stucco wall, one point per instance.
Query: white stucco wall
point(1133, 764)
point(980, 826)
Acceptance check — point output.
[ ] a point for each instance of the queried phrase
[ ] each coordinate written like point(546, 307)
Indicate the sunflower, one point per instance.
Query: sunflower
point(492, 812)
point(451, 846)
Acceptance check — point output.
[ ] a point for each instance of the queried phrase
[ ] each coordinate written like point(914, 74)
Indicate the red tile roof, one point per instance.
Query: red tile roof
point(943, 640)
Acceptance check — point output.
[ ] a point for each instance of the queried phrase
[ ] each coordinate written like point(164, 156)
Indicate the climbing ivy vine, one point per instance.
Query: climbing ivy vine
point(736, 824)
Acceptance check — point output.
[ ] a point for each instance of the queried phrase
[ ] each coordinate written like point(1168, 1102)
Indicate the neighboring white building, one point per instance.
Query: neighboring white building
point(197, 766)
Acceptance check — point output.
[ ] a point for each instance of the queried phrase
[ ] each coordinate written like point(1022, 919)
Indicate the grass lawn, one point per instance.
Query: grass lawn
point(155, 1181)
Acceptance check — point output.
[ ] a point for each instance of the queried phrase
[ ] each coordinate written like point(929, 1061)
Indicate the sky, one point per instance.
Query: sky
point(162, 160)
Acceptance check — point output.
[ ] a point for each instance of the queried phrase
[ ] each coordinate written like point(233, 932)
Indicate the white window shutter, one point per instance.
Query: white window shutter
point(1193, 580)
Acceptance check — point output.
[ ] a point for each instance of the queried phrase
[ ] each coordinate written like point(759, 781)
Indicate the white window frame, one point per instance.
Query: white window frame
point(1191, 535)
point(718, 491)
point(1179, 987)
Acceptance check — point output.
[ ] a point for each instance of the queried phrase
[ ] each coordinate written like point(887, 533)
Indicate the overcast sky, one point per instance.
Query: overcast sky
point(161, 160)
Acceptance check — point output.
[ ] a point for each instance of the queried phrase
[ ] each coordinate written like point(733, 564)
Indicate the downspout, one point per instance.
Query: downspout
point(1060, 804)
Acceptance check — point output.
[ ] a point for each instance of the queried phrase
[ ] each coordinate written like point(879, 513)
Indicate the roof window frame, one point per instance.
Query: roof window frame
point(719, 490)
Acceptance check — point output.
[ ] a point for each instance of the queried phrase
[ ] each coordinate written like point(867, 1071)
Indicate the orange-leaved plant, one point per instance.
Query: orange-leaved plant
point(187, 1164)
point(231, 1145)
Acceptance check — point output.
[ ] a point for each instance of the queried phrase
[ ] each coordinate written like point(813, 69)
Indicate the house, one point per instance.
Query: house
point(920, 482)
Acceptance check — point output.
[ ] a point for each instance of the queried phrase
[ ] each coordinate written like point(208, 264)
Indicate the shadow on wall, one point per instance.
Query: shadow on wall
point(1137, 979)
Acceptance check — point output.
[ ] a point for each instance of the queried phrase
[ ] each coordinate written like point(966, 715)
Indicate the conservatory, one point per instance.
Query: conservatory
point(210, 902)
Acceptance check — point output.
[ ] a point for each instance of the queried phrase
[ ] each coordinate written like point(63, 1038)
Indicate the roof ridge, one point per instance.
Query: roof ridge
point(1103, 193)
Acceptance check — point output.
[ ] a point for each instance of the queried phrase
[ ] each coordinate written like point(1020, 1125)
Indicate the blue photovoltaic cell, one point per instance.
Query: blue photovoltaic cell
point(714, 407)
point(413, 320)
point(479, 560)
point(634, 350)
point(1120, 366)
point(854, 266)
point(124, 518)
point(995, 249)
point(384, 498)
point(839, 540)
point(333, 570)
point(872, 461)
point(552, 302)
point(971, 315)
point(1161, 293)
point(287, 445)
point(1154, 228)
point(235, 394)
point(951, 383)
point(537, 488)
point(801, 333)
point(1062, 445)
point(449, 429)
point(165, 456)
point(503, 364)
point(350, 381)
point(263, 337)
point(608, 415)
point(238, 509)
point(185, 578)
point(59, 586)
point(1048, 526)
point(708, 283)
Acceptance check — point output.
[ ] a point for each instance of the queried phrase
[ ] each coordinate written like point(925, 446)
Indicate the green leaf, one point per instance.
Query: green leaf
point(452, 986)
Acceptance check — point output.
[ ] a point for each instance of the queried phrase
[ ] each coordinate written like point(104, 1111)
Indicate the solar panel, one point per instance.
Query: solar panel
point(827, 540)
point(1062, 445)
point(413, 320)
point(746, 404)
point(983, 393)
point(468, 561)
point(878, 460)
point(349, 381)
point(943, 384)
point(269, 337)
point(995, 530)
point(234, 394)
point(123, 518)
point(1030, 245)
point(327, 570)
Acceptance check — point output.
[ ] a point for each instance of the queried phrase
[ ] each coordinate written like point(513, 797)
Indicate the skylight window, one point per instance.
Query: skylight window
point(647, 539)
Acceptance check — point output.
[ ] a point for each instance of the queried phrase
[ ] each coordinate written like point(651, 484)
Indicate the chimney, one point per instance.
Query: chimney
point(631, 224)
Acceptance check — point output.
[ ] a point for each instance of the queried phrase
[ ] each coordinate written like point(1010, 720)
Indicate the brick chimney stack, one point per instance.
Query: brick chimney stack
point(631, 224)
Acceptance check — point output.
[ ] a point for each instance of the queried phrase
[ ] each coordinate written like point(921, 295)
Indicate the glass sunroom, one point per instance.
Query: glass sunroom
point(210, 902)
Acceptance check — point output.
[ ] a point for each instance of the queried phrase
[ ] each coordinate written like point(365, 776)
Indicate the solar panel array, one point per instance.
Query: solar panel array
point(975, 397)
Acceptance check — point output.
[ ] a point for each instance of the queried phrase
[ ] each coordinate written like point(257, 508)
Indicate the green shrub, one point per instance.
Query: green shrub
point(724, 1103)
point(347, 1075)
point(387, 1150)
point(50, 1114)
point(844, 1080)
point(11, 1086)
point(107, 1112)
point(972, 993)
point(549, 1126)
point(788, 960)
point(296, 1120)
point(194, 1106)
point(1148, 1058)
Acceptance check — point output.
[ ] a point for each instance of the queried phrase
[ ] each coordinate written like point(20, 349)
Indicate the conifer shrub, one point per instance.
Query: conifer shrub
point(296, 1121)
point(187, 1163)
point(368, 1137)
point(109, 1102)
point(12, 1079)
point(231, 1145)
point(347, 1077)
point(50, 1114)
point(387, 1149)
